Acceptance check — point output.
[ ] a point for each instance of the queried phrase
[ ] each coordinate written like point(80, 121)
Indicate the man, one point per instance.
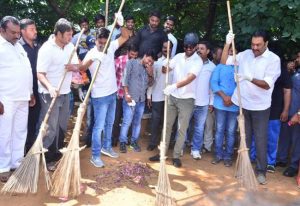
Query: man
point(28, 37)
point(203, 99)
point(182, 93)
point(103, 94)
point(120, 64)
point(156, 97)
point(99, 21)
point(137, 78)
point(169, 28)
point(15, 93)
point(52, 62)
point(259, 68)
point(216, 54)
point(151, 36)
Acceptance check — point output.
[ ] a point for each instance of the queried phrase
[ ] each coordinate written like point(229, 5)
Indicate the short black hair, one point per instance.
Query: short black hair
point(26, 22)
point(102, 33)
point(261, 33)
point(171, 44)
point(129, 17)
point(151, 53)
point(133, 47)
point(83, 19)
point(99, 17)
point(206, 43)
point(171, 18)
point(5, 20)
point(62, 26)
point(155, 13)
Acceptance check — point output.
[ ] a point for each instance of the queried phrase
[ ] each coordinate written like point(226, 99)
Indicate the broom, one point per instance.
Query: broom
point(243, 169)
point(25, 177)
point(163, 190)
point(67, 176)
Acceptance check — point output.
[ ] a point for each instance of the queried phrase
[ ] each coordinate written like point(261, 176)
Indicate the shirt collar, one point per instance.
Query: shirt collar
point(266, 53)
point(2, 40)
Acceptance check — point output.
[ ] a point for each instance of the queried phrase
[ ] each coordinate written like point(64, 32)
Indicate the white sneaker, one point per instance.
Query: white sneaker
point(196, 155)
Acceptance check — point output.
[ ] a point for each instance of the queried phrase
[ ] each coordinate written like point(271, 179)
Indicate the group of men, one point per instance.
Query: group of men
point(202, 97)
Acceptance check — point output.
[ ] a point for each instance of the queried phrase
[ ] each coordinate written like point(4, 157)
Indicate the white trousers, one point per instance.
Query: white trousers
point(13, 132)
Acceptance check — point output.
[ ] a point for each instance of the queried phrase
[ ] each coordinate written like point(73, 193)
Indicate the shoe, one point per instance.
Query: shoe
point(177, 162)
point(261, 179)
point(51, 166)
point(123, 147)
point(290, 172)
point(97, 162)
point(270, 169)
point(196, 155)
point(281, 164)
point(134, 145)
point(216, 160)
point(227, 163)
point(155, 158)
point(151, 147)
point(109, 152)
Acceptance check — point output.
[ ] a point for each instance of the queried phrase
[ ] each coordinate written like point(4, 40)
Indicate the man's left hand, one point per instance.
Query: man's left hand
point(32, 101)
point(284, 116)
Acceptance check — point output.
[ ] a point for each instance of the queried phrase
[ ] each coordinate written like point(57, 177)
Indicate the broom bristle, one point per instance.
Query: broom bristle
point(163, 190)
point(244, 171)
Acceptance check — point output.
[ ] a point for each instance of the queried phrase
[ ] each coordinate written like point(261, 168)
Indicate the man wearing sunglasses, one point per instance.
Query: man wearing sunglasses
point(184, 68)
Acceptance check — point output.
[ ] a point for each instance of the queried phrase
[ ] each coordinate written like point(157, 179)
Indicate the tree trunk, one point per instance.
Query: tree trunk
point(211, 16)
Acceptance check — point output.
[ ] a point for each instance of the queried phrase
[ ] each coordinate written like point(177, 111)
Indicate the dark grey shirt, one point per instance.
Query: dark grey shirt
point(136, 79)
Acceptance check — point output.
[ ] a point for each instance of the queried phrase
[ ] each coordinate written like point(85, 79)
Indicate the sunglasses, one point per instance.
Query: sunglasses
point(189, 46)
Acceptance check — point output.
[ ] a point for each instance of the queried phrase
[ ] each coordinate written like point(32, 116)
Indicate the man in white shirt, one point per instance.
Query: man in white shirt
point(156, 97)
point(259, 68)
point(52, 62)
point(182, 93)
point(103, 94)
point(15, 93)
point(169, 28)
point(203, 98)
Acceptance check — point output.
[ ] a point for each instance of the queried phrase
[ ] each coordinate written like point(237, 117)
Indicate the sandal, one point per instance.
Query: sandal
point(298, 181)
point(4, 176)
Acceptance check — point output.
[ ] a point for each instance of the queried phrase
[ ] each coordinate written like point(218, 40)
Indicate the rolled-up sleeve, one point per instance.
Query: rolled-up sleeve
point(214, 80)
point(272, 72)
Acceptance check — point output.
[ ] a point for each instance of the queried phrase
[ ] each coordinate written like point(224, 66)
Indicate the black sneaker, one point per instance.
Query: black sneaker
point(270, 168)
point(177, 162)
point(151, 147)
point(155, 158)
point(227, 163)
point(216, 160)
point(134, 145)
point(123, 148)
point(290, 172)
point(281, 164)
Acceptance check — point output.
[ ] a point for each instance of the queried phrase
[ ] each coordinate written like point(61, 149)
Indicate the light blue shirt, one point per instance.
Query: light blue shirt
point(222, 79)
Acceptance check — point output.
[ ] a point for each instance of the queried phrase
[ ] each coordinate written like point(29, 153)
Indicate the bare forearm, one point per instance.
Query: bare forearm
point(43, 79)
point(261, 83)
point(85, 65)
point(188, 79)
point(225, 53)
point(286, 99)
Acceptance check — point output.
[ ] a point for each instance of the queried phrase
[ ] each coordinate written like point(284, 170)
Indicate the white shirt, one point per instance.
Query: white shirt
point(264, 67)
point(172, 38)
point(204, 95)
point(106, 81)
point(156, 90)
point(52, 60)
point(182, 66)
point(15, 72)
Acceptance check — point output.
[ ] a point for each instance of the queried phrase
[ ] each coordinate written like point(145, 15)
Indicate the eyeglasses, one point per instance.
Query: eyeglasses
point(189, 46)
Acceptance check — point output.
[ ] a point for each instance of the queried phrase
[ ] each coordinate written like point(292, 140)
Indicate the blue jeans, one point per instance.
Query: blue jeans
point(200, 114)
point(104, 116)
point(273, 136)
point(131, 115)
point(225, 121)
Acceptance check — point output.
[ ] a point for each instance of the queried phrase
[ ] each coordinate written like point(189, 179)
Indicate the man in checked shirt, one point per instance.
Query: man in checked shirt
point(120, 64)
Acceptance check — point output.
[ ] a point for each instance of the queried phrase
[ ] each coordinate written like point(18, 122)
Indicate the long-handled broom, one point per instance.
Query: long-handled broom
point(163, 190)
point(25, 177)
point(243, 170)
point(67, 176)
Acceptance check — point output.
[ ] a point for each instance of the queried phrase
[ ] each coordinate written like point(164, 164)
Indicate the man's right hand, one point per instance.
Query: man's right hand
point(227, 101)
point(1, 108)
point(53, 92)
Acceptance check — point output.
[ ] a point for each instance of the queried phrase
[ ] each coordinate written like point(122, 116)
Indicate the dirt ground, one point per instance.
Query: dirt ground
point(197, 183)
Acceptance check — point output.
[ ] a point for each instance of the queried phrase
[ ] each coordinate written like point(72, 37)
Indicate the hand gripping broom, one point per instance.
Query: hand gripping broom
point(25, 177)
point(243, 169)
point(67, 176)
point(163, 189)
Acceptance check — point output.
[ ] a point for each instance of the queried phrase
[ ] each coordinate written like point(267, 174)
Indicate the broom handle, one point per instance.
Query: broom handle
point(234, 60)
point(106, 12)
point(86, 98)
point(166, 98)
point(62, 80)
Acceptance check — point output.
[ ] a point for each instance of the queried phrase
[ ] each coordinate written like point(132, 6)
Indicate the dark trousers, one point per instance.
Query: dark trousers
point(156, 122)
point(289, 140)
point(256, 124)
point(33, 118)
point(117, 122)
